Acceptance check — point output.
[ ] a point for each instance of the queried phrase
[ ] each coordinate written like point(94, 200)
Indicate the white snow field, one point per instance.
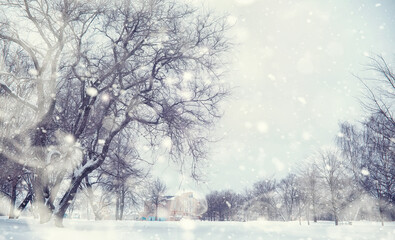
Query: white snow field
point(30, 229)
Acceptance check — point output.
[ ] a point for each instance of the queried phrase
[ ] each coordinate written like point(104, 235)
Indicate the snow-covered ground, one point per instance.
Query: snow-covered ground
point(188, 230)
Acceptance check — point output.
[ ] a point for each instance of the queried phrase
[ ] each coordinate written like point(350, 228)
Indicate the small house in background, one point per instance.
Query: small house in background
point(174, 208)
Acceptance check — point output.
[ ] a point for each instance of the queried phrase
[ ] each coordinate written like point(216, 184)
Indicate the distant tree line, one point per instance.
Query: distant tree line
point(355, 180)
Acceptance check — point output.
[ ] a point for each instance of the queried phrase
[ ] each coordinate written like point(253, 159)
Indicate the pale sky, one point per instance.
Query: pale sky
point(292, 80)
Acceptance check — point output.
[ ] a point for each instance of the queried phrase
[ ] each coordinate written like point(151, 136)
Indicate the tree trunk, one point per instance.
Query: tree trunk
point(156, 212)
point(76, 181)
point(300, 214)
point(40, 142)
point(24, 203)
point(381, 211)
point(122, 205)
point(54, 191)
point(314, 213)
point(12, 214)
point(87, 211)
point(66, 201)
point(335, 214)
point(334, 207)
point(117, 206)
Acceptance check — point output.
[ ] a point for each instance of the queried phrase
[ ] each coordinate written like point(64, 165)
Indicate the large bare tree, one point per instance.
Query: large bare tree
point(370, 149)
point(98, 68)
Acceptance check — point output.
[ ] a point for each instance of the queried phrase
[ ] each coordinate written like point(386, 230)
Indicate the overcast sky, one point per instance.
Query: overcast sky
point(292, 80)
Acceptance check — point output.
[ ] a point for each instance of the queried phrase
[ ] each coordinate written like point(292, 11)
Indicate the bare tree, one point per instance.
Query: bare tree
point(97, 69)
point(249, 208)
point(309, 180)
point(380, 96)
point(156, 195)
point(288, 190)
point(123, 172)
point(302, 201)
point(335, 180)
point(224, 205)
point(371, 159)
point(14, 118)
point(9, 181)
point(370, 150)
point(211, 212)
point(265, 199)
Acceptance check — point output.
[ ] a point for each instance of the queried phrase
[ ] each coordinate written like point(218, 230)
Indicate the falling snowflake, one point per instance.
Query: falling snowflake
point(340, 135)
point(365, 172)
point(33, 72)
point(69, 139)
point(271, 77)
point(91, 91)
point(105, 97)
point(306, 136)
point(262, 127)
point(302, 100)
